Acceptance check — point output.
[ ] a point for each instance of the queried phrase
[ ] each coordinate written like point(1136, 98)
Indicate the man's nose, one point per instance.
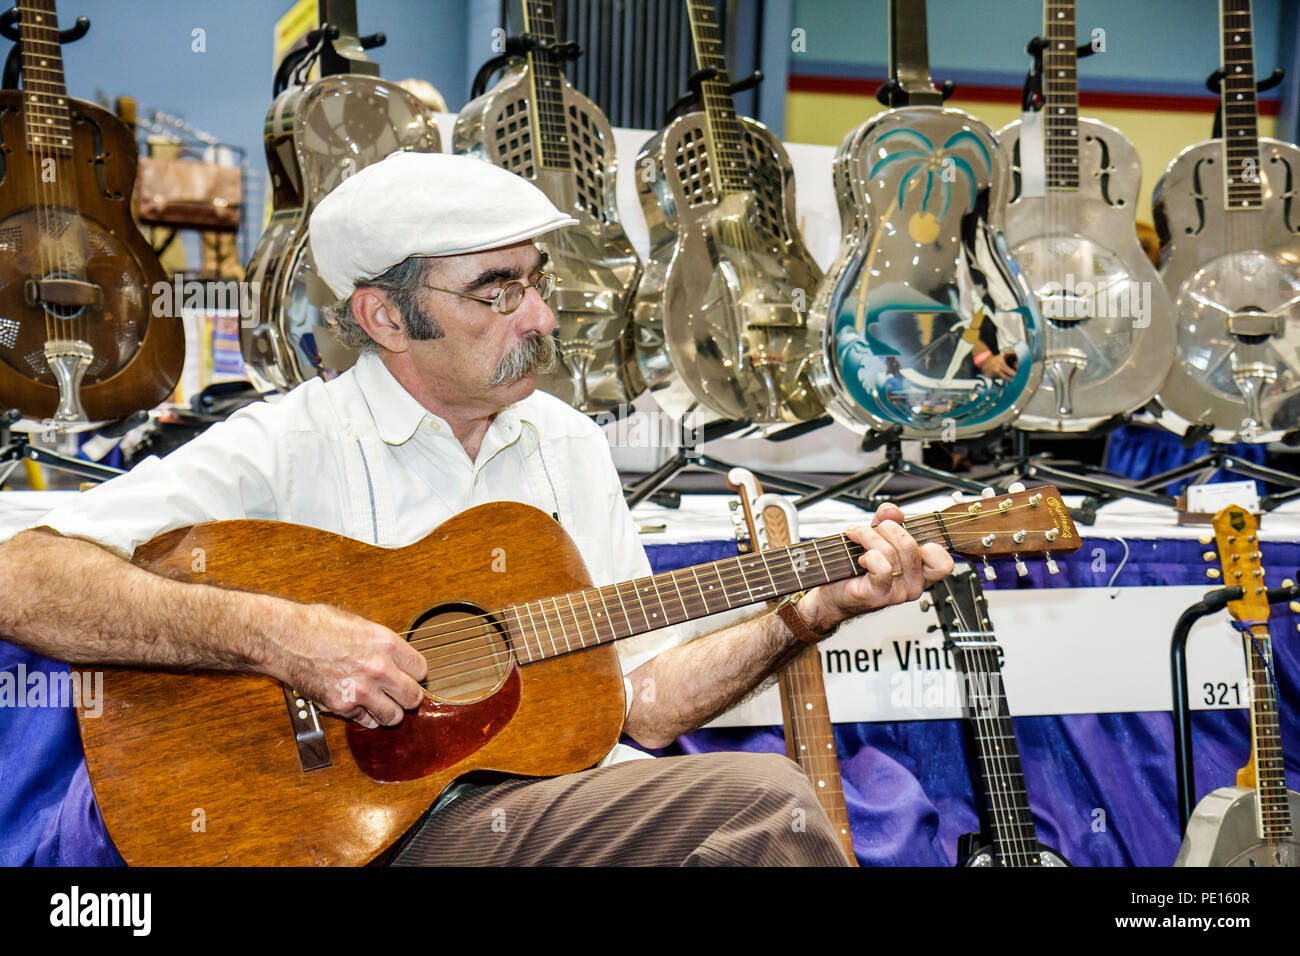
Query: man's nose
point(534, 313)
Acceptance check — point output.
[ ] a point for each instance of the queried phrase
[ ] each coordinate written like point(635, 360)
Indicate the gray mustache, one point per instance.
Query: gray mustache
point(536, 353)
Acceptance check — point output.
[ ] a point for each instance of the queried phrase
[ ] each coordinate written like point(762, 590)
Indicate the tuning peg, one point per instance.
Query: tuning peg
point(1211, 572)
point(988, 492)
point(958, 497)
point(989, 573)
point(1016, 487)
point(1020, 567)
point(1206, 539)
point(925, 604)
point(932, 628)
point(1287, 583)
point(1051, 564)
point(1208, 556)
point(1295, 606)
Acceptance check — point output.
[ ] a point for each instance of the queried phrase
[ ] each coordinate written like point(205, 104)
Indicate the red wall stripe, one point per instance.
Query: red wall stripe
point(1156, 102)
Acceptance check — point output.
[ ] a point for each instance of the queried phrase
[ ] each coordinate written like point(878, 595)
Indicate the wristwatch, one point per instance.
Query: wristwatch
point(787, 611)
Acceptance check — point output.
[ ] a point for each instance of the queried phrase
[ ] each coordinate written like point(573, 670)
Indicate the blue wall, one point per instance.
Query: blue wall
point(1152, 46)
point(142, 48)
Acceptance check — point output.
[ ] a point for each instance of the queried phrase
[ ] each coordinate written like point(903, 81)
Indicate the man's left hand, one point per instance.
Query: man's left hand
point(889, 549)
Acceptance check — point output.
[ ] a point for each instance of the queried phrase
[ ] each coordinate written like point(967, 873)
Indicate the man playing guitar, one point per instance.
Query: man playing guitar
point(442, 287)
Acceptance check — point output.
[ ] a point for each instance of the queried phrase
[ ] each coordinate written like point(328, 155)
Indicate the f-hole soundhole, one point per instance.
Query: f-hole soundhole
point(467, 650)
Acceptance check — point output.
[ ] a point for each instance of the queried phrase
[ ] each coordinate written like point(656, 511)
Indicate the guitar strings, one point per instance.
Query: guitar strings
point(497, 657)
point(821, 547)
point(738, 572)
point(999, 766)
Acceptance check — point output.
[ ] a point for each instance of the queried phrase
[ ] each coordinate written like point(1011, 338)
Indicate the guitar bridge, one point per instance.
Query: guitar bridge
point(313, 749)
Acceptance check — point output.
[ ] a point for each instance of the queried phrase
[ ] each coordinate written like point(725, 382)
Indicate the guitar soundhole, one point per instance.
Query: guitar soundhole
point(467, 650)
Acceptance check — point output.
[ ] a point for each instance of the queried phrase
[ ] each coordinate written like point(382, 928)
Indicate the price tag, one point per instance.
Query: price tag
point(1211, 499)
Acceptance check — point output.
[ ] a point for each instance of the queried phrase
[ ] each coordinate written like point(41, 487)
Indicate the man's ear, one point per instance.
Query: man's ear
point(381, 319)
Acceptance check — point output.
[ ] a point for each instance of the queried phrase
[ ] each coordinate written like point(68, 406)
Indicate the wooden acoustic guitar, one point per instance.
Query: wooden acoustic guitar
point(79, 340)
point(1249, 824)
point(805, 713)
point(222, 768)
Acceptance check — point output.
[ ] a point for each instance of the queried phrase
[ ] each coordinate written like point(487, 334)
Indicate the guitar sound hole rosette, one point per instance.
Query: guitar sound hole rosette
point(467, 650)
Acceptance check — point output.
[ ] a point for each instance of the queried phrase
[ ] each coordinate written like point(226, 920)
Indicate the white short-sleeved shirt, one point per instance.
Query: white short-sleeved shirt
point(360, 457)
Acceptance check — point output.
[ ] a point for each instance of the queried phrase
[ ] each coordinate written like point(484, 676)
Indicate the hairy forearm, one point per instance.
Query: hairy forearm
point(689, 685)
point(73, 601)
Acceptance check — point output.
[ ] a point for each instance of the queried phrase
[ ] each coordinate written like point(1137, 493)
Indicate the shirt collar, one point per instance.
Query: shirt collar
point(398, 415)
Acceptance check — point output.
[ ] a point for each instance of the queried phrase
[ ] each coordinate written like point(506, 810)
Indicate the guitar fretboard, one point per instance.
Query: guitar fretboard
point(570, 622)
point(1273, 810)
point(730, 168)
point(548, 88)
point(45, 99)
point(1060, 96)
point(1240, 118)
point(1007, 817)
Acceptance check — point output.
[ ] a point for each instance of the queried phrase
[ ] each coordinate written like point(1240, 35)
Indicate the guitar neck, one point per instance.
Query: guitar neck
point(1060, 96)
point(1272, 808)
point(909, 54)
point(550, 124)
point(1024, 521)
point(810, 737)
point(1007, 817)
point(568, 622)
point(46, 117)
point(1240, 115)
point(729, 170)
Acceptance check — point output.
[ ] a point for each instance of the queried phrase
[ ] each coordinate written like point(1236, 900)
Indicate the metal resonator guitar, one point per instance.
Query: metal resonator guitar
point(534, 123)
point(923, 281)
point(721, 317)
point(317, 135)
point(1108, 329)
point(79, 338)
point(1229, 226)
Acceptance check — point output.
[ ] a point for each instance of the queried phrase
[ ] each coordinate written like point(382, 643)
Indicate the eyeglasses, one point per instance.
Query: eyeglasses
point(511, 295)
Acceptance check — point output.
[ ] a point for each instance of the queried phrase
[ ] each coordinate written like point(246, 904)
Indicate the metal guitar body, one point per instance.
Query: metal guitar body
point(1223, 832)
point(1108, 328)
point(316, 136)
point(720, 328)
point(1234, 276)
point(922, 265)
point(597, 267)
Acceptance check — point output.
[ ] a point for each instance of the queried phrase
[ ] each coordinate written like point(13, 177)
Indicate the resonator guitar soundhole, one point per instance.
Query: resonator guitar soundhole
point(468, 652)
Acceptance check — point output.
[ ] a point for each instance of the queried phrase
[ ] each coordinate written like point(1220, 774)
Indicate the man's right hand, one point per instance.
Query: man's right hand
point(352, 667)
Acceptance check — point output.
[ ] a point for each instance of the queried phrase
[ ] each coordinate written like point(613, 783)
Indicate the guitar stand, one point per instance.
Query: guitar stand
point(688, 456)
point(319, 45)
point(688, 101)
point(863, 488)
point(1214, 83)
point(1031, 97)
point(1180, 713)
point(16, 447)
point(1219, 458)
point(517, 46)
point(14, 62)
point(1097, 490)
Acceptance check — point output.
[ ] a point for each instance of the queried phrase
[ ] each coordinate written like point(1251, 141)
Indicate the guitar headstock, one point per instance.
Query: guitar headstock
point(748, 491)
point(1016, 523)
point(960, 604)
point(1236, 534)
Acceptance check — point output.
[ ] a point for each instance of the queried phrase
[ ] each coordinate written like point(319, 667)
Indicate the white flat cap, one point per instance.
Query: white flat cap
point(423, 204)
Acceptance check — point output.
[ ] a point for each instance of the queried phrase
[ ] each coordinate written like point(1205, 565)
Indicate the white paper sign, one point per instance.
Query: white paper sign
point(1211, 499)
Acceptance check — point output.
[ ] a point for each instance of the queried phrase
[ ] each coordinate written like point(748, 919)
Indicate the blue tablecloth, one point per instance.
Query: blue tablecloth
point(1102, 786)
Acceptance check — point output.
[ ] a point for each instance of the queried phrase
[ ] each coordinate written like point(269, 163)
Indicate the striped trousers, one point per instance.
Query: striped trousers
point(718, 809)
